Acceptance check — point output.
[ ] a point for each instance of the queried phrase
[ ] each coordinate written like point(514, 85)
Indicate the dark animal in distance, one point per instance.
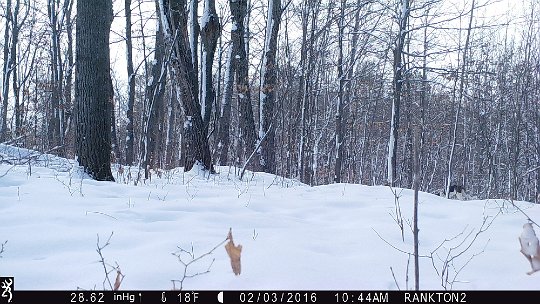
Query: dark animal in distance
point(457, 192)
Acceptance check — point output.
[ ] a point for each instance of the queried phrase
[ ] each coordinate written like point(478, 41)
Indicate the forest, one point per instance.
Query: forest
point(419, 94)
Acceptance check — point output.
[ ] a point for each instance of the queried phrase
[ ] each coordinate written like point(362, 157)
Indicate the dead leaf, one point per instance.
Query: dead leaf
point(234, 253)
point(530, 247)
point(118, 281)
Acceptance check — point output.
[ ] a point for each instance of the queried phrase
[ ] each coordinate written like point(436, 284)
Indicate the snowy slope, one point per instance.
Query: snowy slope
point(294, 236)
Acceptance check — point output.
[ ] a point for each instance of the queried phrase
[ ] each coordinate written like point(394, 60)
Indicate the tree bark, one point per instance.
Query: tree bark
point(210, 32)
point(224, 120)
point(6, 73)
point(56, 105)
point(14, 57)
point(68, 102)
point(403, 17)
point(194, 32)
point(339, 108)
point(130, 136)
point(92, 75)
point(268, 88)
point(416, 186)
point(247, 134)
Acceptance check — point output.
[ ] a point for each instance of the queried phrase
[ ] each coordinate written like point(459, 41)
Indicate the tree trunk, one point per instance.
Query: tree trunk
point(268, 88)
point(224, 120)
point(56, 106)
point(14, 64)
point(247, 138)
point(210, 32)
point(130, 136)
point(174, 20)
point(114, 134)
point(69, 142)
point(403, 18)
point(194, 32)
point(339, 108)
point(6, 72)
point(155, 91)
point(416, 185)
point(449, 177)
point(93, 119)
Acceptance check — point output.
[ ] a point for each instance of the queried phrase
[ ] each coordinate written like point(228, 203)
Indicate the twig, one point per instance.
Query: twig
point(254, 151)
point(394, 276)
point(28, 159)
point(398, 216)
point(447, 279)
point(194, 259)
point(396, 248)
point(97, 212)
point(102, 259)
point(526, 215)
point(2, 247)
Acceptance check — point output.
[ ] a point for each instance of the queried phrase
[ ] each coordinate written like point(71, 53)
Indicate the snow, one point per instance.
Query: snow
point(188, 123)
point(164, 20)
point(293, 236)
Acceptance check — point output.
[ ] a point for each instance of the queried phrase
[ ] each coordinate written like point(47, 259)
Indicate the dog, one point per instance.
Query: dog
point(457, 192)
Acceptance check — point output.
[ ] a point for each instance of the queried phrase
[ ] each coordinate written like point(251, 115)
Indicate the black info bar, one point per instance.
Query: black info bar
point(267, 296)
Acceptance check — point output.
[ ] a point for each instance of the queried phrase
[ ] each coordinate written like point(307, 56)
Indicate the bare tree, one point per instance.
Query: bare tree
point(459, 105)
point(402, 19)
point(237, 64)
point(155, 91)
point(174, 20)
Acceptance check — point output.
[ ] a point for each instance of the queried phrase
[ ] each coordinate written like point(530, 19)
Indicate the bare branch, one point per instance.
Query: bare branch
point(192, 259)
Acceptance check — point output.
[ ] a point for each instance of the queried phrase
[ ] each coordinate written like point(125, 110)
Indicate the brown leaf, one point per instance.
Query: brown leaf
point(234, 253)
point(118, 281)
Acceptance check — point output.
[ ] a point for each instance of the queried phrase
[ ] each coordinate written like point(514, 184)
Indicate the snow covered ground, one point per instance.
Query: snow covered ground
point(333, 237)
